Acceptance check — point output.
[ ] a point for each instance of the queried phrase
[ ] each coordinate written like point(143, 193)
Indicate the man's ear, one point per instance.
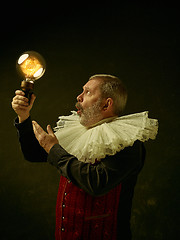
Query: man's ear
point(108, 104)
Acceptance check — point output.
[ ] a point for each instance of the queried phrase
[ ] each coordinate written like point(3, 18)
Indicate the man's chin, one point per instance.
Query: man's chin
point(86, 123)
point(82, 120)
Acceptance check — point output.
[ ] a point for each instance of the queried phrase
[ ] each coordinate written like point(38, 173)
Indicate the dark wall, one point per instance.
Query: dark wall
point(135, 42)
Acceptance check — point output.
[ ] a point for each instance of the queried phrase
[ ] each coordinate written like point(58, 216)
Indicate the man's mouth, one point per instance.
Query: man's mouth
point(79, 112)
point(79, 108)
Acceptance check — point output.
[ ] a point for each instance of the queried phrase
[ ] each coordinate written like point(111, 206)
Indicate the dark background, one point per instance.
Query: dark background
point(138, 43)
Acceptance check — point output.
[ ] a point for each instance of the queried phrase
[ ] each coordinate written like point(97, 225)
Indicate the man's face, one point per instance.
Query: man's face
point(90, 103)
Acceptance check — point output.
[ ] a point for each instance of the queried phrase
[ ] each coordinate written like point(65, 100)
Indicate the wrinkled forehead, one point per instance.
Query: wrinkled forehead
point(93, 85)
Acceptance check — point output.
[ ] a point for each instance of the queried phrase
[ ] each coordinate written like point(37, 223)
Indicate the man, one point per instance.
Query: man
point(99, 156)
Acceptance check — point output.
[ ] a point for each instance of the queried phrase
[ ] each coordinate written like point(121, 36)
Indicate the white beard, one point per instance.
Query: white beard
point(91, 115)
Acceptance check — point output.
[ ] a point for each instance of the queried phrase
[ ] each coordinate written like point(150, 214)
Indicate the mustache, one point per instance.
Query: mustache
point(78, 106)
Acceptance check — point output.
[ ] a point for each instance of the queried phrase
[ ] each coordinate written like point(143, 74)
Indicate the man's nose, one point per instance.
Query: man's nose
point(80, 97)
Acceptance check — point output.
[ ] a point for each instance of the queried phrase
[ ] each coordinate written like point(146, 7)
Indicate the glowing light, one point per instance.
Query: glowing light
point(38, 73)
point(23, 58)
point(31, 65)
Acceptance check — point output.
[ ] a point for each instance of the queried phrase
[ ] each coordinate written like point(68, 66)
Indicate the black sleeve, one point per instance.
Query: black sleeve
point(99, 178)
point(30, 146)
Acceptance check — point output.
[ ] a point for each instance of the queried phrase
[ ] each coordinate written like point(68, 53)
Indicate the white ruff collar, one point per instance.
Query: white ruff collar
point(105, 138)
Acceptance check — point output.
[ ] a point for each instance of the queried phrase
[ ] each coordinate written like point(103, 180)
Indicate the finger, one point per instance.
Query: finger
point(38, 129)
point(18, 99)
point(18, 107)
point(37, 134)
point(19, 92)
point(34, 128)
point(20, 103)
point(49, 130)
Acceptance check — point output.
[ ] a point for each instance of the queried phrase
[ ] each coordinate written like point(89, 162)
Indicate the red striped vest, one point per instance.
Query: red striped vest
point(81, 216)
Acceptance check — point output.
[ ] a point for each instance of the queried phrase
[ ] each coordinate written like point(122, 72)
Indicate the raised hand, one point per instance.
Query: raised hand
point(46, 140)
point(21, 105)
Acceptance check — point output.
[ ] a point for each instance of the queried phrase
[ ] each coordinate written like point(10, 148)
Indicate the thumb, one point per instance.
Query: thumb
point(49, 130)
point(33, 97)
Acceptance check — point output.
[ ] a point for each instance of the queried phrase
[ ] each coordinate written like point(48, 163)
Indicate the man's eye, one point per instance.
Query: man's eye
point(88, 92)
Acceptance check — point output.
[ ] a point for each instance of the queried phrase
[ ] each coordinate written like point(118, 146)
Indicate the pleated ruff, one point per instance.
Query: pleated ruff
point(82, 216)
point(106, 138)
